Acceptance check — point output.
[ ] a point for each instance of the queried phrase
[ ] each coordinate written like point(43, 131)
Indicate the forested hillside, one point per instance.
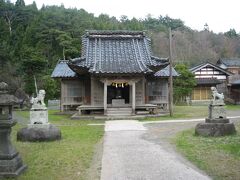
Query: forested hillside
point(32, 41)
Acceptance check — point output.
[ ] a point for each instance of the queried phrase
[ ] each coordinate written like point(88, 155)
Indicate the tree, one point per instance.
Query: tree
point(8, 12)
point(184, 83)
point(65, 41)
point(231, 33)
point(51, 86)
point(33, 64)
point(20, 3)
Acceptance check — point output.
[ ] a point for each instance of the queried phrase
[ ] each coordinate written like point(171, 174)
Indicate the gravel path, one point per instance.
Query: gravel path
point(131, 154)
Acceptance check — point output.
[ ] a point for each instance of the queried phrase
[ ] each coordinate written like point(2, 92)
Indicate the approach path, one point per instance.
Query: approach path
point(131, 153)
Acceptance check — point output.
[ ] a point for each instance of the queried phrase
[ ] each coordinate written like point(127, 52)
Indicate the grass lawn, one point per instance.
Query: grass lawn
point(218, 157)
point(233, 107)
point(68, 158)
point(188, 112)
point(182, 112)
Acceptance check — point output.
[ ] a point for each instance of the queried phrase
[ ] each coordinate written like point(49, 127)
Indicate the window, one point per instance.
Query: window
point(74, 92)
point(157, 91)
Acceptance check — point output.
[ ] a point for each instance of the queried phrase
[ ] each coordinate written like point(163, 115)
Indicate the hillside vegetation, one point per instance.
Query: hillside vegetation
point(33, 40)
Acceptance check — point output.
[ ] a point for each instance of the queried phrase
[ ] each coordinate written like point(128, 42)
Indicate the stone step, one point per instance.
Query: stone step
point(142, 112)
point(119, 108)
point(119, 115)
point(119, 111)
point(116, 112)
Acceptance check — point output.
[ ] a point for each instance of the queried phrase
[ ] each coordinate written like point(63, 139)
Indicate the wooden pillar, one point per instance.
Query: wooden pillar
point(133, 97)
point(61, 99)
point(143, 91)
point(92, 91)
point(105, 97)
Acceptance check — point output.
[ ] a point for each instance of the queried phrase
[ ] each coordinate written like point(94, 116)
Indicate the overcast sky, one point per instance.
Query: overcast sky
point(220, 15)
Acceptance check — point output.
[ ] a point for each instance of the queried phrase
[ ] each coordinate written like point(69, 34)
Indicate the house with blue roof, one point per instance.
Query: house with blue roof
point(116, 73)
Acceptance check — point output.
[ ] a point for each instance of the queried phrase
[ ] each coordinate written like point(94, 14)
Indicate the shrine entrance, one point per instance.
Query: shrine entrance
point(118, 94)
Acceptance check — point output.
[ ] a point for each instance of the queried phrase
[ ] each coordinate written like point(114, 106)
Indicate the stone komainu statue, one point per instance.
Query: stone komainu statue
point(39, 99)
point(216, 95)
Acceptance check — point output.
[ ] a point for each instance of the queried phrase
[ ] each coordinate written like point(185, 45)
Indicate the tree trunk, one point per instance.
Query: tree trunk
point(63, 53)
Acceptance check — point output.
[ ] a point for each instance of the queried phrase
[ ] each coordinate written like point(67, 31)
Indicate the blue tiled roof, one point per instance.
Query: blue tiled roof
point(231, 62)
point(62, 70)
point(117, 52)
point(236, 82)
point(165, 72)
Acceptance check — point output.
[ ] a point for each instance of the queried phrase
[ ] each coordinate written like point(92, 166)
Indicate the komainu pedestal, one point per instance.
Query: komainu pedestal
point(217, 123)
point(39, 128)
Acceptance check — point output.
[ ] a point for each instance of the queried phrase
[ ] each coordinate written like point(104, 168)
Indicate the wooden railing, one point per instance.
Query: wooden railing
point(72, 100)
point(157, 99)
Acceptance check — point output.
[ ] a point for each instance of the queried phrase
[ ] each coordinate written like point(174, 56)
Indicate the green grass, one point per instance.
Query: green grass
point(233, 107)
point(68, 158)
point(219, 157)
point(183, 112)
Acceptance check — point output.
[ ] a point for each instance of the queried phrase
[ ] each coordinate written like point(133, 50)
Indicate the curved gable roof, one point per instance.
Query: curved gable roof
point(203, 65)
point(117, 52)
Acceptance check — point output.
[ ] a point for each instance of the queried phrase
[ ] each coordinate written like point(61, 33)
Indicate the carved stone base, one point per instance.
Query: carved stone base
point(216, 112)
point(39, 133)
point(215, 129)
point(38, 116)
point(217, 120)
point(11, 168)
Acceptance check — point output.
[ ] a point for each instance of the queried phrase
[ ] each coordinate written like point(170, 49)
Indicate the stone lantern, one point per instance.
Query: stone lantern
point(10, 161)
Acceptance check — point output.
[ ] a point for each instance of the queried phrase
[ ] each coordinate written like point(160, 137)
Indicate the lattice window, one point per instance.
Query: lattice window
point(73, 92)
point(157, 91)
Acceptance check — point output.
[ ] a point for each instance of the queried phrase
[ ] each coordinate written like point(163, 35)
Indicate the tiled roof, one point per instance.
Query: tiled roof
point(62, 70)
point(207, 81)
point(236, 82)
point(230, 62)
point(165, 72)
point(208, 64)
point(117, 52)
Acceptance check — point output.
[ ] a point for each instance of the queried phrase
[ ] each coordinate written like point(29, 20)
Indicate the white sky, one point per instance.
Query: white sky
point(220, 15)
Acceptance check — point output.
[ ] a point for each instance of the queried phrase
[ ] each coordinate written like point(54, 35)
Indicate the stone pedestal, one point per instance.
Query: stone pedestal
point(39, 133)
point(39, 129)
point(216, 124)
point(11, 164)
point(38, 116)
point(216, 111)
point(215, 129)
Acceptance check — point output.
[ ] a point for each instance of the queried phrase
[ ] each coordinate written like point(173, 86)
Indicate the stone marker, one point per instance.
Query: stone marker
point(11, 164)
point(217, 123)
point(39, 128)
